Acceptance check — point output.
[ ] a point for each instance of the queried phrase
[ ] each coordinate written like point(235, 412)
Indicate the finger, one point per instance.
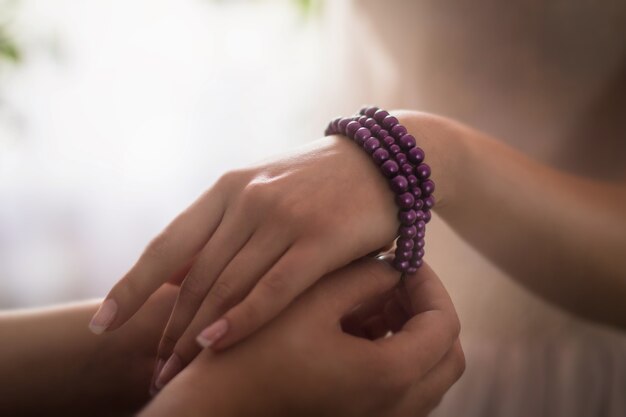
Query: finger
point(233, 284)
point(353, 321)
point(427, 393)
point(289, 277)
point(231, 235)
point(429, 334)
point(162, 259)
point(357, 284)
point(394, 315)
point(375, 328)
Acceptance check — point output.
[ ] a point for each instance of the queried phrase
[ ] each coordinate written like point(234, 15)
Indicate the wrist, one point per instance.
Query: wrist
point(443, 144)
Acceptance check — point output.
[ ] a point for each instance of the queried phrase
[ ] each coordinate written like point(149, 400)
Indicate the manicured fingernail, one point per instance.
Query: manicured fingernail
point(171, 368)
point(213, 333)
point(157, 371)
point(103, 317)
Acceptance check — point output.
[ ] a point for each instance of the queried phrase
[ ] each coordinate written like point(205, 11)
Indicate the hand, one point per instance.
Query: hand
point(259, 238)
point(311, 360)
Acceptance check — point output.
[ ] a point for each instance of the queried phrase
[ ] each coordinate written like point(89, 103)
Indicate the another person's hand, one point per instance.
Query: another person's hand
point(258, 238)
point(327, 354)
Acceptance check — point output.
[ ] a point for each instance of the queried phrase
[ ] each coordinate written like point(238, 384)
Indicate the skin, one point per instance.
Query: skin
point(323, 357)
point(326, 354)
point(51, 364)
point(249, 236)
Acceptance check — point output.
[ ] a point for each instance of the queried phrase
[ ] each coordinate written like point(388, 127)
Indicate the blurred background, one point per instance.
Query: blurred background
point(115, 115)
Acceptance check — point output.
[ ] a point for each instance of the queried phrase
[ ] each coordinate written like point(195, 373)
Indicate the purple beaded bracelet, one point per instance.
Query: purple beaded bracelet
point(395, 151)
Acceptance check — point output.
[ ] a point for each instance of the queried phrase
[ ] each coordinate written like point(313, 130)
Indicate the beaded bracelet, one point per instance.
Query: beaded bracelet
point(395, 151)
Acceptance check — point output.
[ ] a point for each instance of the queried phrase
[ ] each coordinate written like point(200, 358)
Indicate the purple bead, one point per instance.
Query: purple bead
point(427, 216)
point(420, 214)
point(428, 187)
point(370, 111)
point(362, 135)
point(399, 184)
point(401, 265)
point(404, 255)
point(342, 125)
point(416, 155)
point(407, 142)
point(408, 232)
point(369, 123)
point(389, 141)
point(401, 159)
point(362, 120)
point(380, 115)
point(382, 133)
point(420, 234)
point(390, 168)
point(407, 169)
point(407, 217)
point(351, 128)
point(375, 129)
point(422, 171)
point(412, 181)
point(380, 155)
point(415, 263)
point(389, 122)
point(417, 192)
point(405, 200)
point(419, 204)
point(371, 145)
point(405, 244)
point(420, 253)
point(411, 269)
point(419, 244)
point(421, 224)
point(429, 202)
point(394, 149)
point(398, 131)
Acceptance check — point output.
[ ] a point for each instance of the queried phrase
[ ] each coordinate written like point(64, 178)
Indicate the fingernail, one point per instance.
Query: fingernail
point(213, 333)
point(103, 317)
point(171, 368)
point(157, 371)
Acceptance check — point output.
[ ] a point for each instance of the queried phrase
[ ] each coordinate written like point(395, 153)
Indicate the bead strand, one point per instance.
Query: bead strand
point(395, 151)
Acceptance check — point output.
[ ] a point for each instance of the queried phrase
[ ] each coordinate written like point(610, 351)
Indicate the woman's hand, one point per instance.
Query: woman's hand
point(314, 361)
point(257, 239)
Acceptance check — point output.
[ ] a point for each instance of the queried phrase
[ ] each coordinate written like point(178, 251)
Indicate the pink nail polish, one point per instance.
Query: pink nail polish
point(103, 317)
point(213, 333)
point(171, 368)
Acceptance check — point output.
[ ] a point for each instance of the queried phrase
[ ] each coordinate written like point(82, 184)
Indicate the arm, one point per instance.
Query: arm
point(563, 237)
point(51, 364)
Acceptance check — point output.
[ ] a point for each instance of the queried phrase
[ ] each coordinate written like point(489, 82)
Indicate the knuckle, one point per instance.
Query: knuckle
point(159, 246)
point(455, 324)
point(276, 284)
point(256, 195)
point(192, 288)
point(230, 180)
point(459, 361)
point(221, 293)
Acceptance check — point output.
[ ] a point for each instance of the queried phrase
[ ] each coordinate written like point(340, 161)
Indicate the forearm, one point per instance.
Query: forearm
point(561, 236)
point(50, 363)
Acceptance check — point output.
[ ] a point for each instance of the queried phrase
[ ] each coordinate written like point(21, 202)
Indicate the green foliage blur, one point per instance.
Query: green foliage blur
point(9, 50)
